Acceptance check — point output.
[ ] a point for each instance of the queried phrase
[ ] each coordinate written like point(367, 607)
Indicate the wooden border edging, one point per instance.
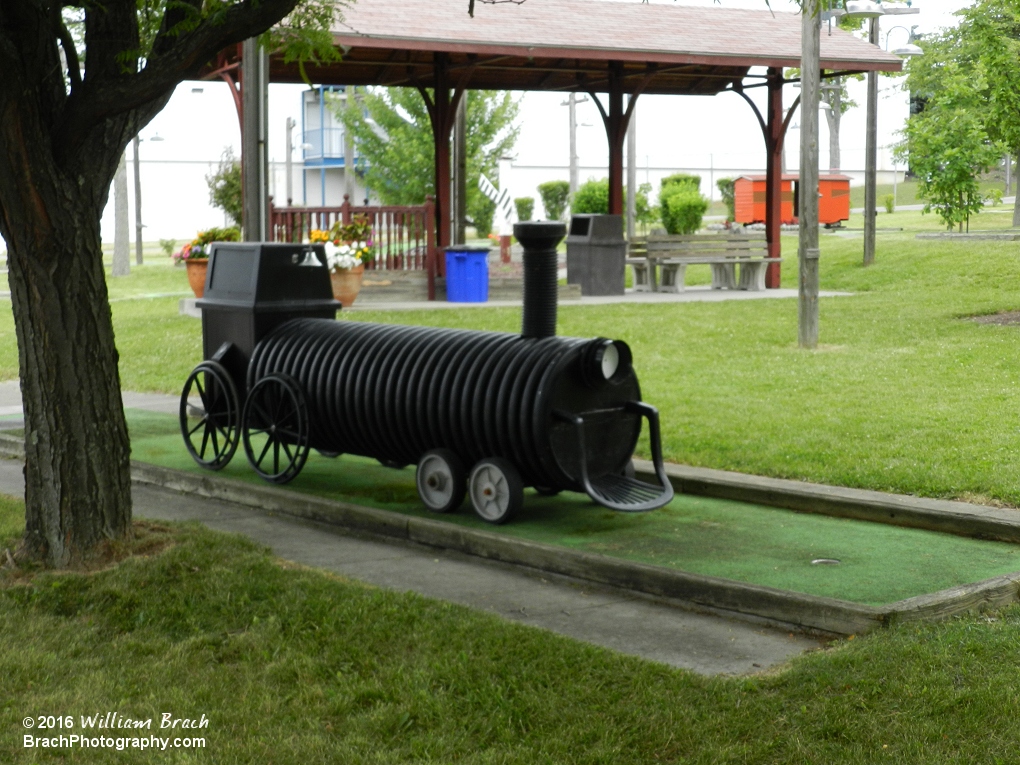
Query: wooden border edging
point(799, 610)
point(946, 516)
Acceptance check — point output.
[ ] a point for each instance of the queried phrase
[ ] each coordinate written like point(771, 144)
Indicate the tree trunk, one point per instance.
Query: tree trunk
point(832, 116)
point(77, 468)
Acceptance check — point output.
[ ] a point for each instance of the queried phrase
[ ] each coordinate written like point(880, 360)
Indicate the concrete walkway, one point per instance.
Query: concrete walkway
point(615, 619)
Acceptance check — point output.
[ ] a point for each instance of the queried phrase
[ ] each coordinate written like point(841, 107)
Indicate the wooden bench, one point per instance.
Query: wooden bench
point(724, 253)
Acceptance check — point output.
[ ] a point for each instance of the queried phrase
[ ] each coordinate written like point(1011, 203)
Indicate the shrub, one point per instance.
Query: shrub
point(554, 198)
point(994, 196)
point(225, 186)
point(481, 215)
point(726, 188)
point(890, 203)
point(681, 179)
point(682, 210)
point(525, 207)
point(591, 197)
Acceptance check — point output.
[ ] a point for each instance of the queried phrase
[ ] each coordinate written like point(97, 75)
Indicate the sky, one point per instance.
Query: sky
point(715, 136)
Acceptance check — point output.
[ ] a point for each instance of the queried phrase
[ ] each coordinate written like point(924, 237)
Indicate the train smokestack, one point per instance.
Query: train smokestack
point(539, 240)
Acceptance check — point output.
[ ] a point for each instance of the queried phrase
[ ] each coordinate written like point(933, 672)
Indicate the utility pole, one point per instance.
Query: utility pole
point(121, 232)
point(138, 203)
point(631, 174)
point(810, 82)
point(291, 124)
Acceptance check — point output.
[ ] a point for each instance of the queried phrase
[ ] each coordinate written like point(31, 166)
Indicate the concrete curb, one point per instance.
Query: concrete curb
point(1004, 236)
point(801, 611)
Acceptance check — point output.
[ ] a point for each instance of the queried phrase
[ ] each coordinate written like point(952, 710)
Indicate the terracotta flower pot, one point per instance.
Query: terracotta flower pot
point(347, 284)
point(196, 274)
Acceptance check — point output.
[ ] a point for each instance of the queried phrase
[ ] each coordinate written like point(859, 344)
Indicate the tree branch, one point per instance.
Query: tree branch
point(181, 55)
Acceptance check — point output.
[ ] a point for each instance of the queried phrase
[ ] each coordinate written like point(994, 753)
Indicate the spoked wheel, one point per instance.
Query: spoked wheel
point(210, 415)
point(496, 490)
point(275, 428)
point(441, 480)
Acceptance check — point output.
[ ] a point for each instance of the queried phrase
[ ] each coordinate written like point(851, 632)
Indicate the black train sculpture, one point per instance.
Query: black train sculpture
point(282, 376)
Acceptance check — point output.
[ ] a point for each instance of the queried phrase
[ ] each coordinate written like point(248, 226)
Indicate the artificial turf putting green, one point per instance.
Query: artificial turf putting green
point(768, 546)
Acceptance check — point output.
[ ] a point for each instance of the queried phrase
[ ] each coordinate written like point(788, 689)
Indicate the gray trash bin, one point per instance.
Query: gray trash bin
point(596, 254)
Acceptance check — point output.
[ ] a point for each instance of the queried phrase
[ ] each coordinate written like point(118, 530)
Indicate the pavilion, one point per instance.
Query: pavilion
point(585, 46)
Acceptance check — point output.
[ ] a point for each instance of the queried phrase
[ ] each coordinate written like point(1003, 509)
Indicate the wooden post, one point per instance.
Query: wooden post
point(460, 171)
point(775, 132)
point(810, 81)
point(631, 174)
point(430, 247)
point(870, 156)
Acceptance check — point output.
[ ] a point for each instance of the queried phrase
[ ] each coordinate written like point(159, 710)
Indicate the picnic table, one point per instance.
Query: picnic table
point(659, 263)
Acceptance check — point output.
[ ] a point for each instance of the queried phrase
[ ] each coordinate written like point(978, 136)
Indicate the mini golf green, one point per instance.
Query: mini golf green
point(879, 564)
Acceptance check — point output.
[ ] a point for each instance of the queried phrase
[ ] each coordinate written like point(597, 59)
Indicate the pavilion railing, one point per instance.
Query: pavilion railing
point(404, 237)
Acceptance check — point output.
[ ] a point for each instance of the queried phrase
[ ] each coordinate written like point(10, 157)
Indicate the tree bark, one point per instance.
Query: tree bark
point(62, 133)
point(77, 470)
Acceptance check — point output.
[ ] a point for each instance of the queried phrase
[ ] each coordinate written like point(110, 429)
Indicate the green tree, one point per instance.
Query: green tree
point(948, 148)
point(525, 208)
point(555, 195)
point(225, 186)
point(990, 40)
point(394, 136)
point(80, 79)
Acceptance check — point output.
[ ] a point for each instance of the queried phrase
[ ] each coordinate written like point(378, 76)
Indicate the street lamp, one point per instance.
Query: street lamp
point(138, 195)
point(862, 9)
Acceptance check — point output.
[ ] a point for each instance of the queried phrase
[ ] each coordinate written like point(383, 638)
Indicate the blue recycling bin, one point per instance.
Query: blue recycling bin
point(467, 274)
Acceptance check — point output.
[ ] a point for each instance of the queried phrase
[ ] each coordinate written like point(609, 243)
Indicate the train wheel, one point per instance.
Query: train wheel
point(275, 428)
point(496, 490)
point(441, 480)
point(210, 415)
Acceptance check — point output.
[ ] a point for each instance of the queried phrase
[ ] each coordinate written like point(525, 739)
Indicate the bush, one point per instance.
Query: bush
point(727, 188)
point(225, 186)
point(682, 210)
point(480, 216)
point(681, 179)
point(554, 198)
point(994, 196)
point(890, 203)
point(591, 197)
point(525, 207)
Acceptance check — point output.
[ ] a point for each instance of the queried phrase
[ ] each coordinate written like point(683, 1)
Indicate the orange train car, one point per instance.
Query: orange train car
point(833, 199)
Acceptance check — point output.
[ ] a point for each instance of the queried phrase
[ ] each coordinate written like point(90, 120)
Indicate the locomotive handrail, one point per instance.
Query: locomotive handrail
point(621, 492)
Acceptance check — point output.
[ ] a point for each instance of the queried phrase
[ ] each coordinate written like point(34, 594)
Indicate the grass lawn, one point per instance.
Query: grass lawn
point(296, 666)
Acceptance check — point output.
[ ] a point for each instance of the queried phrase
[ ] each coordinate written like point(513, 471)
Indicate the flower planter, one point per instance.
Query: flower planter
point(196, 274)
point(347, 284)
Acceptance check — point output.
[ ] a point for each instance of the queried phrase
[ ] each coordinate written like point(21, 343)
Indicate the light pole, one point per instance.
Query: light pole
point(572, 102)
point(138, 196)
point(873, 11)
